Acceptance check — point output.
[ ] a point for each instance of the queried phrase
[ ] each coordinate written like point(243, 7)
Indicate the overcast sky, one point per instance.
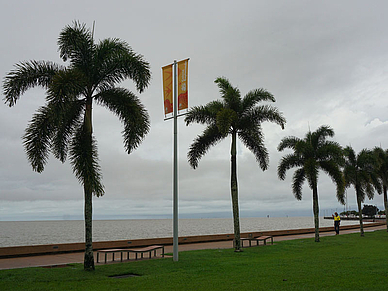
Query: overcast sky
point(326, 62)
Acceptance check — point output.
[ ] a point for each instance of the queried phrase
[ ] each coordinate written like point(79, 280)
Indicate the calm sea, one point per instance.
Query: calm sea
point(22, 233)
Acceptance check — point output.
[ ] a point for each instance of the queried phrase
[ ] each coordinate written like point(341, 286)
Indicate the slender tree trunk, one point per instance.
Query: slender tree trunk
point(360, 213)
point(386, 206)
point(89, 258)
point(316, 211)
point(234, 193)
point(88, 211)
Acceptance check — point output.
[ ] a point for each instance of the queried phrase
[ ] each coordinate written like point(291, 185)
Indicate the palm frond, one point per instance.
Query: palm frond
point(366, 159)
point(331, 168)
point(349, 175)
point(231, 95)
point(62, 99)
point(202, 143)
point(76, 44)
point(84, 159)
point(350, 155)
point(204, 114)
point(37, 138)
point(369, 190)
point(27, 75)
point(254, 96)
point(330, 150)
point(264, 113)
point(224, 85)
point(322, 133)
point(287, 162)
point(115, 61)
point(297, 182)
point(136, 68)
point(361, 193)
point(68, 118)
point(253, 140)
point(381, 166)
point(130, 111)
point(288, 143)
point(376, 183)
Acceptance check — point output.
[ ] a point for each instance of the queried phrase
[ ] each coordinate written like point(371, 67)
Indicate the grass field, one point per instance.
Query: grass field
point(345, 262)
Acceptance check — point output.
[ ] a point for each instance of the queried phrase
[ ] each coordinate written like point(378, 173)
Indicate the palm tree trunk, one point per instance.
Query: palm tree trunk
point(88, 211)
point(316, 211)
point(360, 214)
point(88, 259)
point(234, 193)
point(386, 206)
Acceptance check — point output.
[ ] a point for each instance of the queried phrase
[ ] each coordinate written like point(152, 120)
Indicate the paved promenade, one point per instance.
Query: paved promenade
point(68, 258)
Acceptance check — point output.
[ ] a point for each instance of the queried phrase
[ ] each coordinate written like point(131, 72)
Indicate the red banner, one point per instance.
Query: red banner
point(167, 89)
point(183, 86)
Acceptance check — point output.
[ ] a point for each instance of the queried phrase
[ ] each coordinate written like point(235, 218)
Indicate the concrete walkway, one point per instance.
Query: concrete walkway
point(68, 258)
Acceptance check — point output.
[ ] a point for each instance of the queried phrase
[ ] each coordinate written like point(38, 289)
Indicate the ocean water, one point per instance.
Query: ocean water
point(23, 233)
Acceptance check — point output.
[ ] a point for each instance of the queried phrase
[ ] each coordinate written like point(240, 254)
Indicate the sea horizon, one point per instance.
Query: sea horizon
point(24, 233)
point(216, 215)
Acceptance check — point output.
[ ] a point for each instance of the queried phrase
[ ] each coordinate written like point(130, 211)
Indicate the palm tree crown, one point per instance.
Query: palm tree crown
point(359, 172)
point(235, 116)
point(381, 168)
point(311, 154)
point(63, 125)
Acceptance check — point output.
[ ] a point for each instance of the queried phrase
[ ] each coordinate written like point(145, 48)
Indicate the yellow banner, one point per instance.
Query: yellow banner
point(183, 74)
point(167, 89)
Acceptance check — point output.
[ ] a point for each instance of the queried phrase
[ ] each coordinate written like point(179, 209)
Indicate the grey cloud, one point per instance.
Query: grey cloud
point(325, 63)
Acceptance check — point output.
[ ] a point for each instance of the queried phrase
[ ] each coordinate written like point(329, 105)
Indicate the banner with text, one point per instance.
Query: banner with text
point(167, 89)
point(183, 70)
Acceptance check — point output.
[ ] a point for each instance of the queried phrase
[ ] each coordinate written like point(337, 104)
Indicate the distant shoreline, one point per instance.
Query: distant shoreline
point(357, 219)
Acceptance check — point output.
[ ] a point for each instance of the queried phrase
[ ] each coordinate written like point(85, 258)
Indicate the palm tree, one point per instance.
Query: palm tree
point(235, 116)
point(381, 169)
point(311, 154)
point(359, 172)
point(64, 124)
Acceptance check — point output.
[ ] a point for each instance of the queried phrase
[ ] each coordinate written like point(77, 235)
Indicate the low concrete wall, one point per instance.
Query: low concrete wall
point(79, 247)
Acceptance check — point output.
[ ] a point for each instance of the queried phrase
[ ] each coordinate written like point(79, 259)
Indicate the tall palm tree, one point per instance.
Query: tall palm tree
point(235, 116)
point(64, 124)
point(311, 154)
point(381, 168)
point(359, 172)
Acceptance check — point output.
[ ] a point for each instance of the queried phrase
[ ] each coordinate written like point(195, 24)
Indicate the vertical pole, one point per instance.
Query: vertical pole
point(175, 192)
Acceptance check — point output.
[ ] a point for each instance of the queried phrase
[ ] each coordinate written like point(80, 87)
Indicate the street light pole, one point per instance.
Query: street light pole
point(175, 191)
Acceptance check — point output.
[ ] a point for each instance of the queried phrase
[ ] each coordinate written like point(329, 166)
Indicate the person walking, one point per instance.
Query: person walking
point(337, 221)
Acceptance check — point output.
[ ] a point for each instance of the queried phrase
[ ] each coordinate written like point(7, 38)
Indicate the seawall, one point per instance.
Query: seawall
point(18, 251)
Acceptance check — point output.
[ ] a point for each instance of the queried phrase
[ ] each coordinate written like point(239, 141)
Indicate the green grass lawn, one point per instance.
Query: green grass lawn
point(345, 262)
